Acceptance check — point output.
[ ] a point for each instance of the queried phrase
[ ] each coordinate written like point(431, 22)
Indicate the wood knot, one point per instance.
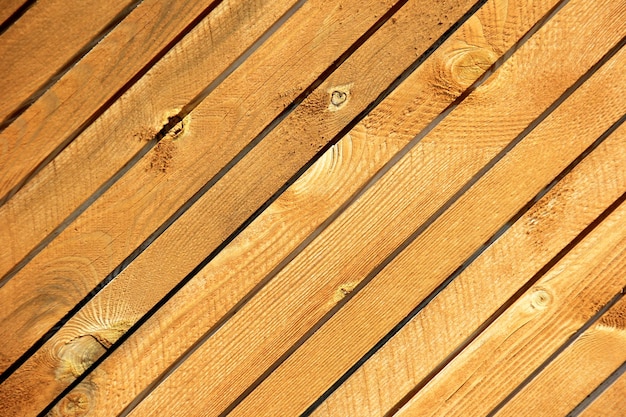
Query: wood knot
point(339, 96)
point(343, 290)
point(463, 65)
point(540, 299)
point(77, 403)
point(77, 355)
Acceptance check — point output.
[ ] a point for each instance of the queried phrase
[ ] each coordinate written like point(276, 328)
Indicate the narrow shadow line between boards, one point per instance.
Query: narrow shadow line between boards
point(17, 14)
point(173, 121)
point(450, 202)
point(599, 390)
point(279, 118)
point(21, 108)
point(515, 296)
point(104, 107)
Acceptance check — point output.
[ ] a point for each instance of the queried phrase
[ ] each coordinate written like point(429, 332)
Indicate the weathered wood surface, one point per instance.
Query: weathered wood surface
point(307, 207)
point(124, 54)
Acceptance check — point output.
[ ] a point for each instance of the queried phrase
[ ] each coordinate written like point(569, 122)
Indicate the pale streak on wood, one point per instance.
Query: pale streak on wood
point(290, 304)
point(577, 371)
point(611, 403)
point(77, 172)
point(43, 40)
point(71, 101)
point(109, 134)
point(506, 265)
point(529, 331)
point(129, 285)
point(439, 251)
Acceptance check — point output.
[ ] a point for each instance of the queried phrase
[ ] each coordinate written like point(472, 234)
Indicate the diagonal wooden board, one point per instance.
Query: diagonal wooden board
point(175, 169)
point(299, 309)
point(125, 54)
point(128, 288)
point(510, 262)
point(46, 38)
point(128, 125)
point(529, 331)
point(236, 278)
point(577, 371)
point(445, 245)
point(610, 403)
point(132, 309)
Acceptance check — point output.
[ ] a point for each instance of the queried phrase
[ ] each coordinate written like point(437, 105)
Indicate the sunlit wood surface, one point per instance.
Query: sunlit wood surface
point(312, 207)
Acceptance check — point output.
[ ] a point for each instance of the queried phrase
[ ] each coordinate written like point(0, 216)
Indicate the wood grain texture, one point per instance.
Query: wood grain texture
point(132, 121)
point(405, 360)
point(576, 372)
point(50, 122)
point(529, 331)
point(611, 403)
point(267, 241)
point(176, 168)
point(440, 250)
point(249, 178)
point(45, 39)
point(284, 310)
point(9, 7)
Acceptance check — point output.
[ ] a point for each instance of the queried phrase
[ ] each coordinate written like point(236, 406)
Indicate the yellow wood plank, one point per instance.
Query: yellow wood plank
point(576, 372)
point(611, 403)
point(126, 127)
point(408, 357)
point(528, 332)
point(444, 246)
point(45, 39)
point(126, 299)
point(110, 229)
point(242, 349)
point(53, 119)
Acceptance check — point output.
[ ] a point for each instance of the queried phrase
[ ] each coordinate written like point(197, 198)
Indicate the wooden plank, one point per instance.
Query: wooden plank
point(45, 39)
point(175, 169)
point(9, 7)
point(51, 122)
point(458, 233)
point(405, 360)
point(128, 289)
point(240, 351)
point(270, 238)
point(129, 124)
point(529, 331)
point(611, 403)
point(577, 371)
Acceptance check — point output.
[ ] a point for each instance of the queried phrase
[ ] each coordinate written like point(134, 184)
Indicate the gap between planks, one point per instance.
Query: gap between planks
point(47, 41)
point(96, 81)
point(588, 358)
point(567, 298)
point(211, 339)
point(544, 230)
point(351, 330)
